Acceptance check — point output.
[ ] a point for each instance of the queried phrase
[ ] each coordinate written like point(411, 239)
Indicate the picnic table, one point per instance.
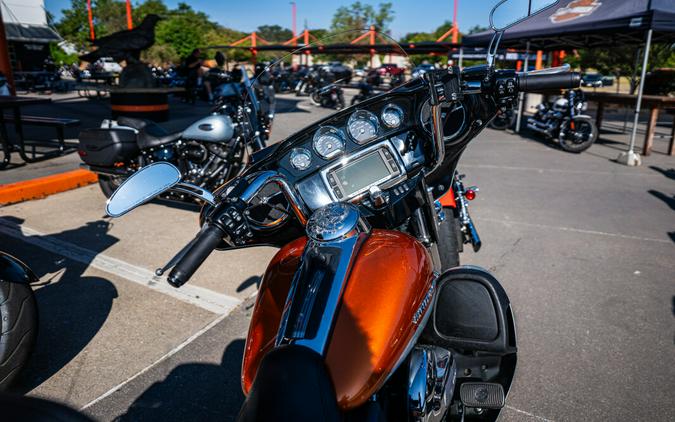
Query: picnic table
point(15, 103)
point(655, 103)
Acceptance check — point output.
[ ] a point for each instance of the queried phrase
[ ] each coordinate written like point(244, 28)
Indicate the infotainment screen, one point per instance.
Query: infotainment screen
point(361, 173)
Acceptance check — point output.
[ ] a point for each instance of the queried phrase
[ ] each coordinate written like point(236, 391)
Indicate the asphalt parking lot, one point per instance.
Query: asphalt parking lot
point(584, 247)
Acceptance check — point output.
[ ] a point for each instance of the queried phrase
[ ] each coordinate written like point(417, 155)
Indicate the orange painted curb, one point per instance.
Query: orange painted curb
point(44, 186)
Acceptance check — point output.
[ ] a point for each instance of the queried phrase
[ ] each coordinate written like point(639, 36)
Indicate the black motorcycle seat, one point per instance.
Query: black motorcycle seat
point(150, 134)
point(292, 384)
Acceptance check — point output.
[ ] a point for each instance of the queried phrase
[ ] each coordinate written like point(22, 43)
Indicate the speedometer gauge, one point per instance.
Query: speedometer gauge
point(328, 142)
point(362, 126)
point(392, 116)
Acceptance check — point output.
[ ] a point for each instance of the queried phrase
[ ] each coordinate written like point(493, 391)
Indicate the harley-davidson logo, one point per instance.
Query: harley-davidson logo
point(575, 10)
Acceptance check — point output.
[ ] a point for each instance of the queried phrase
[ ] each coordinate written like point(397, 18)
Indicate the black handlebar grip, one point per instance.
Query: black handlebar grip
point(563, 80)
point(207, 241)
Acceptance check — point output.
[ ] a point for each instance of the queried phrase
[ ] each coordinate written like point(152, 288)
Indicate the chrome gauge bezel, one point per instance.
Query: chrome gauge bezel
point(398, 109)
point(297, 151)
point(324, 130)
point(363, 115)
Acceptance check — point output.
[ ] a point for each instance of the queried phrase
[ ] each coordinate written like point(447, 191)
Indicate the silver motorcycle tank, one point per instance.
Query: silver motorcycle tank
point(215, 128)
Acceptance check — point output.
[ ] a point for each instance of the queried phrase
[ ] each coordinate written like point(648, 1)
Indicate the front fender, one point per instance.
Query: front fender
point(12, 270)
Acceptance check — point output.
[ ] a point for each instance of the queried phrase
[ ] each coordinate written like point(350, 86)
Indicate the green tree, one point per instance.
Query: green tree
point(274, 33)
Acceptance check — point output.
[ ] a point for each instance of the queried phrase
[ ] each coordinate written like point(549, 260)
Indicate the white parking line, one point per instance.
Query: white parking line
point(172, 352)
point(541, 418)
point(552, 170)
point(204, 298)
point(575, 230)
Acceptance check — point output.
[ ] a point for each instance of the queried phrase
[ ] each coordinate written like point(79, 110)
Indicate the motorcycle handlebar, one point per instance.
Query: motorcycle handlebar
point(207, 240)
point(540, 82)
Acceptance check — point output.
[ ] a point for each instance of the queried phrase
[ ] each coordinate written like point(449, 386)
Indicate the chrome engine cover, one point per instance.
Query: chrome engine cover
point(431, 383)
point(214, 128)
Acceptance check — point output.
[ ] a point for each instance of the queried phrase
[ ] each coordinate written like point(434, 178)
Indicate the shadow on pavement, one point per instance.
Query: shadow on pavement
point(194, 391)
point(251, 281)
point(669, 200)
point(669, 173)
point(71, 308)
point(289, 105)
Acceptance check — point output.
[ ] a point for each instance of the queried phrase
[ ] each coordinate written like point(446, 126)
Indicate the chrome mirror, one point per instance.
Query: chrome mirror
point(510, 12)
point(141, 187)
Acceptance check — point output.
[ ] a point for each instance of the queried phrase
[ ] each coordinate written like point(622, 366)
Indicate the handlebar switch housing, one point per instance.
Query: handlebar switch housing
point(505, 87)
point(229, 217)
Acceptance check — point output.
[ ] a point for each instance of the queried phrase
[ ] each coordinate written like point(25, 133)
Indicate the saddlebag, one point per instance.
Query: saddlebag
point(105, 147)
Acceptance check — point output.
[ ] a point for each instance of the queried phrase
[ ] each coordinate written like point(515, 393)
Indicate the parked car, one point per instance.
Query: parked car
point(422, 69)
point(608, 80)
point(361, 72)
point(592, 80)
point(390, 69)
point(342, 73)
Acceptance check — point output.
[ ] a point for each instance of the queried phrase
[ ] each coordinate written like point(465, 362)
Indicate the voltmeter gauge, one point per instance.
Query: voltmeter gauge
point(301, 158)
point(392, 116)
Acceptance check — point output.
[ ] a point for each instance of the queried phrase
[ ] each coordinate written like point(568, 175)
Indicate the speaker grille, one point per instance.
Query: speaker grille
point(465, 310)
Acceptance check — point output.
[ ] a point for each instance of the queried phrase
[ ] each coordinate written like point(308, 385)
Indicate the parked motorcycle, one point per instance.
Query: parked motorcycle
point(18, 317)
point(456, 224)
point(328, 96)
point(209, 152)
point(355, 318)
point(564, 121)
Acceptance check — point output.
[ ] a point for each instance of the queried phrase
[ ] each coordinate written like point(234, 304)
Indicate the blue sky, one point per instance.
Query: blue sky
point(246, 15)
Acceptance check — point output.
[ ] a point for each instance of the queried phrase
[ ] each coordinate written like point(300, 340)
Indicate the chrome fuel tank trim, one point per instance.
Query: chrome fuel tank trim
point(336, 233)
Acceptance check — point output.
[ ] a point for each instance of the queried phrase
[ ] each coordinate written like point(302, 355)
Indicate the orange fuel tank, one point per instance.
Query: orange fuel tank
point(383, 302)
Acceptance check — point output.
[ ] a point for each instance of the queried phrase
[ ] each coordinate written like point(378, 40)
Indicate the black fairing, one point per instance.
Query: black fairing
point(292, 384)
point(14, 271)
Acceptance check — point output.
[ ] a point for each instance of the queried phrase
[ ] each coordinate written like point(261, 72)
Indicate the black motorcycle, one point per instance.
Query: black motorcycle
point(563, 121)
point(18, 317)
point(209, 152)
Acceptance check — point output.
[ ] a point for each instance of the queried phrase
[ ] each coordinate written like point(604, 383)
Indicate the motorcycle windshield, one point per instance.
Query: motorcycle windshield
point(315, 77)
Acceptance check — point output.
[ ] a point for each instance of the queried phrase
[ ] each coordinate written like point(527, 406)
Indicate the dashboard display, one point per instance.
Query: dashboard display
point(362, 126)
point(360, 174)
point(328, 142)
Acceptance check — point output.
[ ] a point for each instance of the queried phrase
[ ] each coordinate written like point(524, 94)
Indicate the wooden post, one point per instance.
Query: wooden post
point(599, 115)
point(671, 147)
point(651, 127)
point(5, 64)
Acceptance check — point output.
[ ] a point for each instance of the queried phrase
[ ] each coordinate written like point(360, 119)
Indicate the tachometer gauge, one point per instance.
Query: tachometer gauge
point(301, 158)
point(328, 142)
point(392, 116)
point(362, 126)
